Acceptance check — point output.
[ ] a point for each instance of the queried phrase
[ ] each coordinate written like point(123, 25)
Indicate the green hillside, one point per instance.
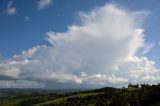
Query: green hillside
point(146, 95)
point(69, 99)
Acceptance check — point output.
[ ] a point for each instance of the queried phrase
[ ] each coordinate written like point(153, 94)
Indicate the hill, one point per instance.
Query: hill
point(146, 95)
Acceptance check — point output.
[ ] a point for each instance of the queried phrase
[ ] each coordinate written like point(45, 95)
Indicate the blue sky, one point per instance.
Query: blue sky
point(24, 24)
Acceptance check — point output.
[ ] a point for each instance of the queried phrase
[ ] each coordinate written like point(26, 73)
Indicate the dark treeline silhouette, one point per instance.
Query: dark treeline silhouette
point(133, 86)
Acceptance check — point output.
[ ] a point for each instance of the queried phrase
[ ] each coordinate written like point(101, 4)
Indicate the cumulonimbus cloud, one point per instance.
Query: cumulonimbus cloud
point(100, 50)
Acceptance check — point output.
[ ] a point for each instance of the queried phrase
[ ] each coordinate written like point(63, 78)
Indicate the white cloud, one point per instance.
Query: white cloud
point(42, 4)
point(117, 80)
point(137, 68)
point(83, 74)
point(101, 50)
point(11, 10)
point(26, 18)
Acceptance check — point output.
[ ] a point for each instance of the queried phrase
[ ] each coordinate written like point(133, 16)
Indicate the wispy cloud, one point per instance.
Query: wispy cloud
point(147, 48)
point(26, 18)
point(11, 10)
point(42, 4)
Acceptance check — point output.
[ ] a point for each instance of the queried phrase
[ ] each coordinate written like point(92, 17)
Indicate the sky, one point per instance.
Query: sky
point(79, 43)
